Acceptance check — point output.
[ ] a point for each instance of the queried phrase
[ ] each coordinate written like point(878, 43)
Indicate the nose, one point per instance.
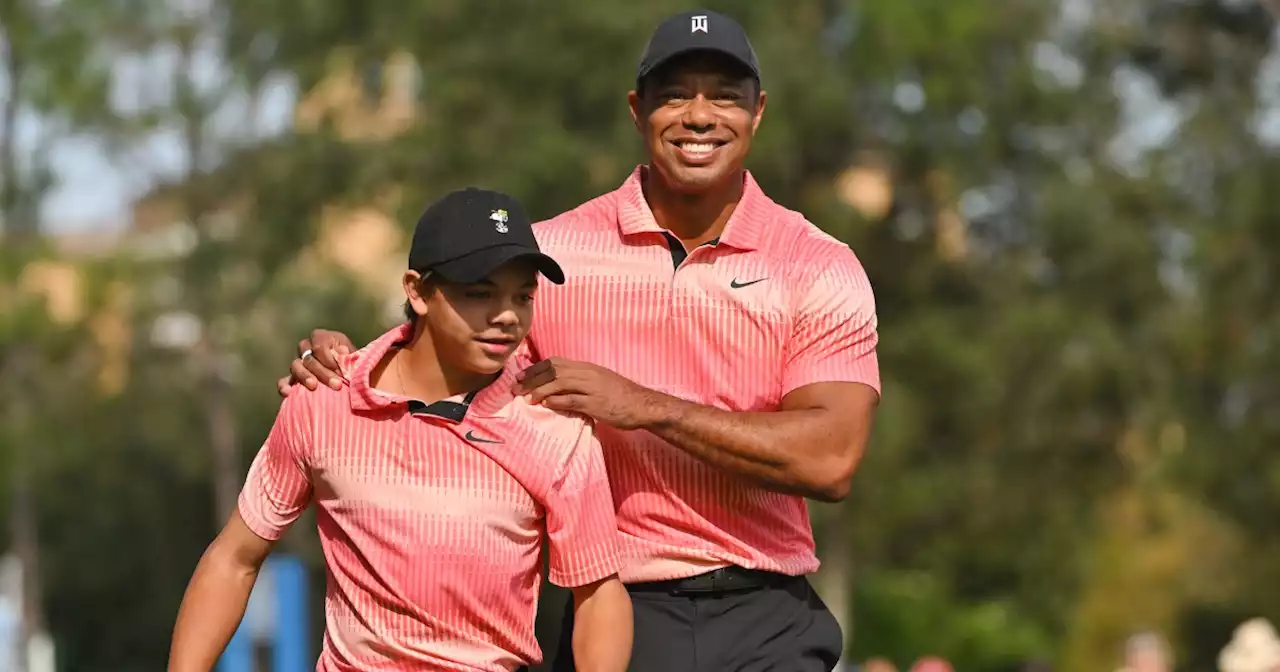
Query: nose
point(699, 115)
point(505, 317)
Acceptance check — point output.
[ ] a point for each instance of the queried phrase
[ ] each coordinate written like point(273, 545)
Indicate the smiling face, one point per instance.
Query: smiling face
point(475, 328)
point(698, 114)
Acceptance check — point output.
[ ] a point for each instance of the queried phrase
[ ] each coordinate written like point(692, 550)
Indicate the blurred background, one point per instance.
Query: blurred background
point(1070, 211)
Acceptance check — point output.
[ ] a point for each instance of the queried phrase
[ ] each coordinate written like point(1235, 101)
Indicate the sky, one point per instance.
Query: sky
point(95, 187)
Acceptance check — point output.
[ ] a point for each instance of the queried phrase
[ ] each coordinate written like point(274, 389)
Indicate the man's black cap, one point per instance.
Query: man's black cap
point(470, 233)
point(698, 30)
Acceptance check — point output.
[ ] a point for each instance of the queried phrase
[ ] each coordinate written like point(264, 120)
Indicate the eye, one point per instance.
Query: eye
point(524, 299)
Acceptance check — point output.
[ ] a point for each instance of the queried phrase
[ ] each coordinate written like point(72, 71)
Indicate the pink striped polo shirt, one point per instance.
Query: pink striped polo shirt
point(773, 305)
point(431, 516)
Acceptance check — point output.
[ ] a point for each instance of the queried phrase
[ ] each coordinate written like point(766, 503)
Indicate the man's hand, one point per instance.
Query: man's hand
point(577, 387)
point(317, 360)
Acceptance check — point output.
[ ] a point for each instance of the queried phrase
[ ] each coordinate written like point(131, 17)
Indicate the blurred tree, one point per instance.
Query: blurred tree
point(48, 71)
point(237, 198)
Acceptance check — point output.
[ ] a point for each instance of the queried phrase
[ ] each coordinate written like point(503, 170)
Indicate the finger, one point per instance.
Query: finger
point(551, 389)
point(284, 385)
point(322, 372)
point(322, 365)
point(327, 357)
point(533, 370)
point(304, 346)
point(538, 380)
point(336, 341)
point(298, 373)
point(572, 403)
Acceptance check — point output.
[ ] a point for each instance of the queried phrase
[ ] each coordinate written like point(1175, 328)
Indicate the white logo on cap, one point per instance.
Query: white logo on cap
point(499, 216)
point(699, 23)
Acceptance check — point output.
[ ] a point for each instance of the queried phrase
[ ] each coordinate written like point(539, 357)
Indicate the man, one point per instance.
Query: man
point(434, 484)
point(726, 348)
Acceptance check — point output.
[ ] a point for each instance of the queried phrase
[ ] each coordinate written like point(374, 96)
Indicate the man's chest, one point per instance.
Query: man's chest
point(713, 328)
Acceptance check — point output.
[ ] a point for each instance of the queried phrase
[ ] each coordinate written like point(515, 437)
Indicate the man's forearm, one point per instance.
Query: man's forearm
point(602, 628)
point(210, 613)
point(793, 451)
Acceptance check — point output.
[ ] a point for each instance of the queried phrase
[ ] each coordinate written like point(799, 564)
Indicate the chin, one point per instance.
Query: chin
point(693, 179)
point(487, 365)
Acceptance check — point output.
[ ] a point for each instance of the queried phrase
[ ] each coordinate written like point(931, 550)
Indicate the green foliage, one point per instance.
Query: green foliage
point(903, 616)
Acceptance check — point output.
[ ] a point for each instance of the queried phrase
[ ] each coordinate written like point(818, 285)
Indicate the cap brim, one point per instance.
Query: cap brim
point(479, 265)
point(692, 49)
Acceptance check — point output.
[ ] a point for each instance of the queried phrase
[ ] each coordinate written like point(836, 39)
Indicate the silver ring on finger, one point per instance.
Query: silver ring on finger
point(306, 354)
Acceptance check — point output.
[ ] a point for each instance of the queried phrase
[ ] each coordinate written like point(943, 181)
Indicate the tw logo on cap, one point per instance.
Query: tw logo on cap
point(500, 217)
point(699, 24)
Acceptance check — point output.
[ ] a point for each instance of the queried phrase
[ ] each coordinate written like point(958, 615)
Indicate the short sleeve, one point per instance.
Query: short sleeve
point(278, 487)
point(834, 337)
point(582, 529)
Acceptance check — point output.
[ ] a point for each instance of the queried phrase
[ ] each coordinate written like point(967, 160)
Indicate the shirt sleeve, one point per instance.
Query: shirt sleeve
point(582, 529)
point(834, 337)
point(278, 487)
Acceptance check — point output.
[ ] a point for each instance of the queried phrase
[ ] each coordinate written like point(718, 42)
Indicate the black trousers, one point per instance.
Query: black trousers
point(780, 627)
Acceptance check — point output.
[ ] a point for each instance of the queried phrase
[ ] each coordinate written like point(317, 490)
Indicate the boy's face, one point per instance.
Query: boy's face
point(476, 327)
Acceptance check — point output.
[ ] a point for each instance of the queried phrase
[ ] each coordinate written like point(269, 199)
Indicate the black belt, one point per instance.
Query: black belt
point(724, 580)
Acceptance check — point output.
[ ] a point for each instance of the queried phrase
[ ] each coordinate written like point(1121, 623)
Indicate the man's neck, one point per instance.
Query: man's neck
point(416, 371)
point(693, 218)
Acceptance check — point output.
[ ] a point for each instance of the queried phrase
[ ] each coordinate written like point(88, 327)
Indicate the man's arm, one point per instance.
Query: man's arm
point(831, 387)
point(276, 491)
point(582, 532)
point(811, 445)
point(216, 597)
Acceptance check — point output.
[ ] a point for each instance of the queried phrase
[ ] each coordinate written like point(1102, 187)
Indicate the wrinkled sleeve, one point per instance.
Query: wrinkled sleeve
point(582, 529)
point(834, 336)
point(278, 487)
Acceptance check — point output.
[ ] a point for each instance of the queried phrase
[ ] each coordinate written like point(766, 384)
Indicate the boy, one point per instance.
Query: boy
point(433, 482)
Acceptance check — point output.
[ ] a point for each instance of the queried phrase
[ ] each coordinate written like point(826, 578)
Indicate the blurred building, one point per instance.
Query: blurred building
point(363, 100)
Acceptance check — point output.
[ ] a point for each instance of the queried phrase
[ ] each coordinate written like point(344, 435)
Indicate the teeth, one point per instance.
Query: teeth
point(698, 147)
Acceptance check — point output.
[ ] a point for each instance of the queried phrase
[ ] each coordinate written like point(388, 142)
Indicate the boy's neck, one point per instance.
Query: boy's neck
point(416, 371)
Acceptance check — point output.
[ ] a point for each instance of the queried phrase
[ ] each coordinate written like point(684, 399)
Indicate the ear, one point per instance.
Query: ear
point(759, 113)
point(636, 104)
point(416, 291)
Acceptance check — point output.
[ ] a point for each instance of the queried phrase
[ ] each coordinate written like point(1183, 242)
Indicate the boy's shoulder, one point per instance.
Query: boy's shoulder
point(547, 436)
point(562, 428)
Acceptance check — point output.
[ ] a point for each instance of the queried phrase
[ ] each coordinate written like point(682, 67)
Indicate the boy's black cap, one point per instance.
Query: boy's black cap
point(470, 233)
point(697, 30)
